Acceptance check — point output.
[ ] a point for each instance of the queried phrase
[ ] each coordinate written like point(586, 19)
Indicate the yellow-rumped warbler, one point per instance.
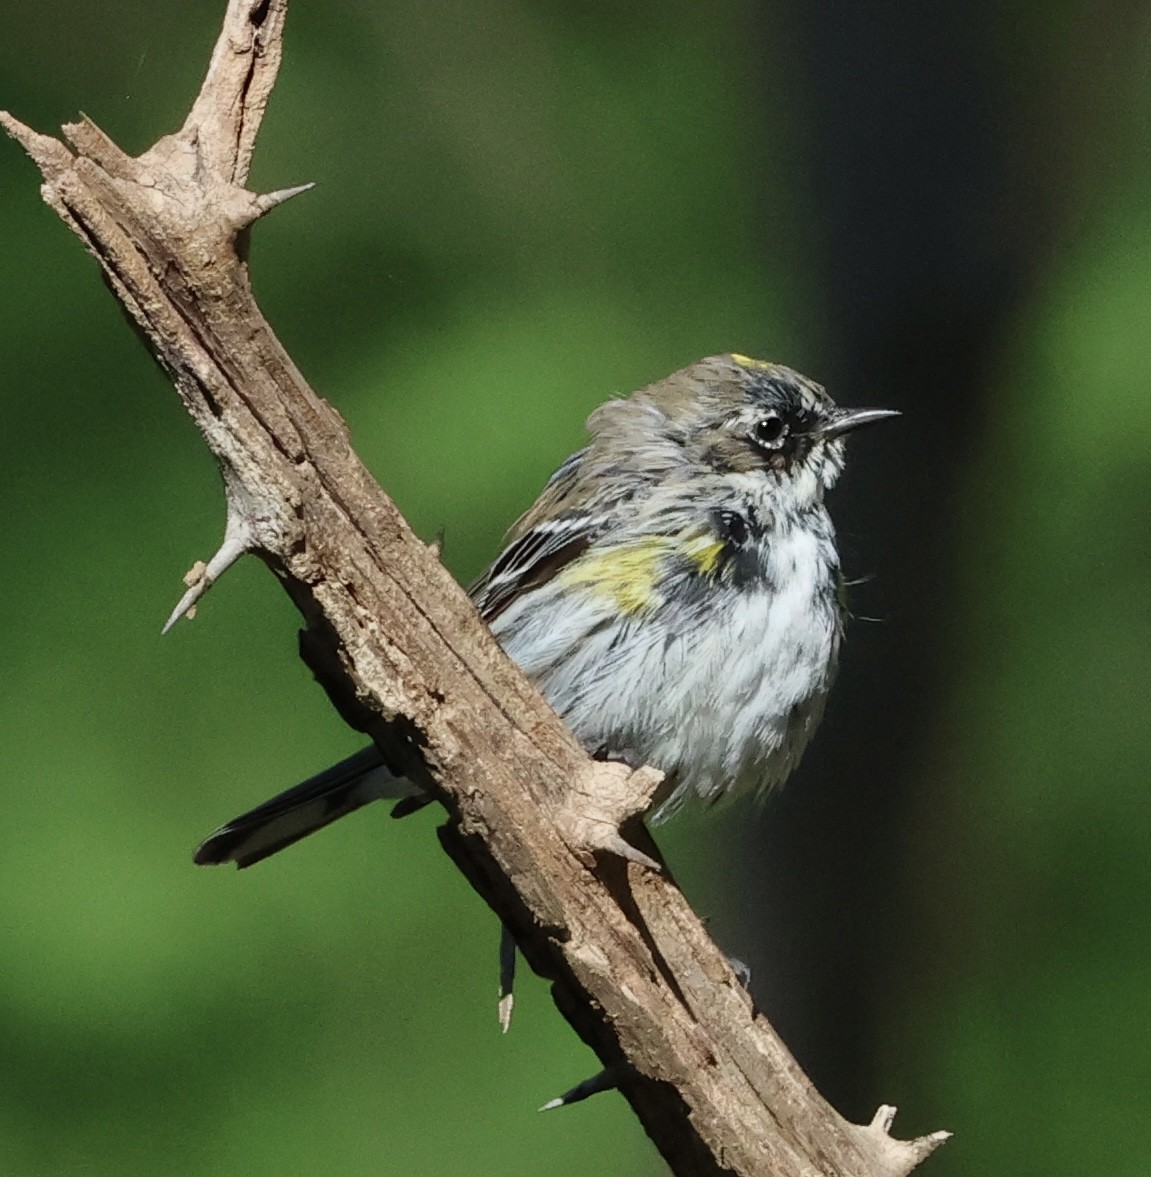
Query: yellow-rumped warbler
point(674, 593)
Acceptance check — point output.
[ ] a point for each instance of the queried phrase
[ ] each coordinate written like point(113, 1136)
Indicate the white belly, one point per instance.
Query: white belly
point(722, 701)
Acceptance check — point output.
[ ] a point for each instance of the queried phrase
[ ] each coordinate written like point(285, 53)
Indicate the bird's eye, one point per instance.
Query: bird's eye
point(769, 432)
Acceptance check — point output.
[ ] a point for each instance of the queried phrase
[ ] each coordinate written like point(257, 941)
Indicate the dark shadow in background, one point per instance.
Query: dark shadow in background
point(915, 198)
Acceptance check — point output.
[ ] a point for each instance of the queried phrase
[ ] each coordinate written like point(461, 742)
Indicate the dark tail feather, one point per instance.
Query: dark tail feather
point(302, 810)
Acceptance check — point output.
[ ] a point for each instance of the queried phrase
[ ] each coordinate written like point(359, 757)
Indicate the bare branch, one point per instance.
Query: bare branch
point(531, 821)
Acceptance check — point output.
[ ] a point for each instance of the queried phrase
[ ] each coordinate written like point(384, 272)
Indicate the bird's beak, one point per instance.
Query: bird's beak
point(845, 420)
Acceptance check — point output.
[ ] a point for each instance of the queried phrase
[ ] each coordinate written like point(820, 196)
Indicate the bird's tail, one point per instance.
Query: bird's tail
point(302, 810)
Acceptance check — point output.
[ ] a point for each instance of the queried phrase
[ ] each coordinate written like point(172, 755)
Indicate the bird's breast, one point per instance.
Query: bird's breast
point(721, 694)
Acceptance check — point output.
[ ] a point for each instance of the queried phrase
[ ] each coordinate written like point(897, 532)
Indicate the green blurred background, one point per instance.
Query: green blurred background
point(522, 208)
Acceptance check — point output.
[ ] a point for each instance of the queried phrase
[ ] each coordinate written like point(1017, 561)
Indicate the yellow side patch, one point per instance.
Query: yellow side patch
point(751, 364)
point(628, 575)
point(704, 552)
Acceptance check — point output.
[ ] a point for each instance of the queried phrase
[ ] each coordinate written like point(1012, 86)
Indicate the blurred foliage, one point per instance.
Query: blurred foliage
point(521, 209)
point(1031, 866)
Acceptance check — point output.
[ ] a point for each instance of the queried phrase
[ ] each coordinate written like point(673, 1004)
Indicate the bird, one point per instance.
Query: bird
point(675, 593)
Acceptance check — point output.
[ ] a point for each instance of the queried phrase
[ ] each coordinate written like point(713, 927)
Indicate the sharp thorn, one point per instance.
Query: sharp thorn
point(615, 843)
point(507, 978)
point(203, 576)
point(266, 201)
point(606, 1080)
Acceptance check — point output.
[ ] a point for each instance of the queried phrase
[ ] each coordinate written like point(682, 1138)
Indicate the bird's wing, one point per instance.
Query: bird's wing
point(558, 528)
point(532, 559)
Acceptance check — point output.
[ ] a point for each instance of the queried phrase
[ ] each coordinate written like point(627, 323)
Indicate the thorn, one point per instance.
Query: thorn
point(507, 978)
point(201, 577)
point(614, 842)
point(266, 201)
point(883, 1119)
point(905, 1154)
point(606, 1080)
point(606, 796)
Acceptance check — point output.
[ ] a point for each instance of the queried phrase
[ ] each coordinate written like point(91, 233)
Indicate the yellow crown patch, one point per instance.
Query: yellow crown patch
point(752, 364)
